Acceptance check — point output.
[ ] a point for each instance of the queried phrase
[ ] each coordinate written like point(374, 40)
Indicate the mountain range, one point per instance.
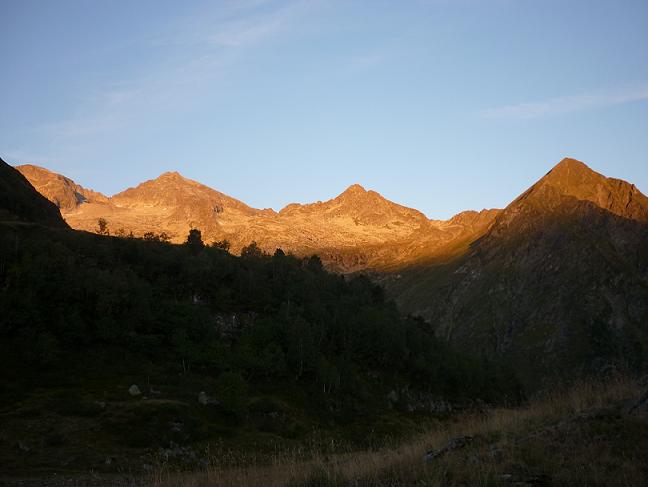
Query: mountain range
point(557, 280)
point(356, 230)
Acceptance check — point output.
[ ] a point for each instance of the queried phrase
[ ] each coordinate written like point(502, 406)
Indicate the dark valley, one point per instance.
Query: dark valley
point(188, 322)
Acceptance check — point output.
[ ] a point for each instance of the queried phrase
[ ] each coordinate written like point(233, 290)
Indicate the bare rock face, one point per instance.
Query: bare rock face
point(62, 191)
point(568, 183)
point(175, 204)
point(573, 179)
point(360, 207)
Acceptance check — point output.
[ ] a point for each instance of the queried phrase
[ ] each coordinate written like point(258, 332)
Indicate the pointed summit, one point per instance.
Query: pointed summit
point(355, 188)
point(356, 192)
point(173, 178)
point(166, 185)
point(173, 192)
point(573, 180)
point(571, 164)
point(171, 175)
point(572, 172)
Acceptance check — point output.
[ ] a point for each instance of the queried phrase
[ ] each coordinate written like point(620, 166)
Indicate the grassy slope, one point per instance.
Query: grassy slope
point(583, 436)
point(93, 424)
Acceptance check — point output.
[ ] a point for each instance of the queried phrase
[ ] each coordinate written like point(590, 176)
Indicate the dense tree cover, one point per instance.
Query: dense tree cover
point(245, 320)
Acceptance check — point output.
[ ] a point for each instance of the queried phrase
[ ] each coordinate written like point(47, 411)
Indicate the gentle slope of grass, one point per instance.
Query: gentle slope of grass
point(579, 436)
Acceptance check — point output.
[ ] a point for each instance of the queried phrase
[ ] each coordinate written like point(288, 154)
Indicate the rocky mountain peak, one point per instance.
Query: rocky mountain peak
point(572, 187)
point(60, 190)
point(570, 174)
point(572, 165)
point(355, 189)
point(168, 185)
point(573, 179)
point(32, 168)
point(171, 176)
point(189, 199)
point(358, 195)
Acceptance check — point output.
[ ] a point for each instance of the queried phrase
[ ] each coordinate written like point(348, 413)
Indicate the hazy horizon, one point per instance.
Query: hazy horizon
point(439, 106)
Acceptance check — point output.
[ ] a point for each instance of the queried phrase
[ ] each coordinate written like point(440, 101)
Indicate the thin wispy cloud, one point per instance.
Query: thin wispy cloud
point(205, 47)
point(234, 25)
point(260, 25)
point(249, 31)
point(567, 104)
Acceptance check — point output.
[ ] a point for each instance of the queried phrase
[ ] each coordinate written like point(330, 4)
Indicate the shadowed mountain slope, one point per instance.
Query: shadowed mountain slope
point(558, 283)
point(20, 201)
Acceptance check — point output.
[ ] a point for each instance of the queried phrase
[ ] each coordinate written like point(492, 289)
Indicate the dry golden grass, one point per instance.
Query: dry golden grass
point(560, 434)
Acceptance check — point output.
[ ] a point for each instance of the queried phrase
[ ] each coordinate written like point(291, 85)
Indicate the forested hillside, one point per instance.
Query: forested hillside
point(199, 308)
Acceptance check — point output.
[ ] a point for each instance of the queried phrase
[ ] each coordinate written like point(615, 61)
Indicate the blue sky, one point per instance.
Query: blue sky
point(442, 105)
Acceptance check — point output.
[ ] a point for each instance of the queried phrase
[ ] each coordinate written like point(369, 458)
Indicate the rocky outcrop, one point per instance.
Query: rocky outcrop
point(452, 444)
point(62, 191)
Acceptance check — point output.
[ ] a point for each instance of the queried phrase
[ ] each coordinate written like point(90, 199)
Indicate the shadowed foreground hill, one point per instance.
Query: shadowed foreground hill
point(558, 285)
